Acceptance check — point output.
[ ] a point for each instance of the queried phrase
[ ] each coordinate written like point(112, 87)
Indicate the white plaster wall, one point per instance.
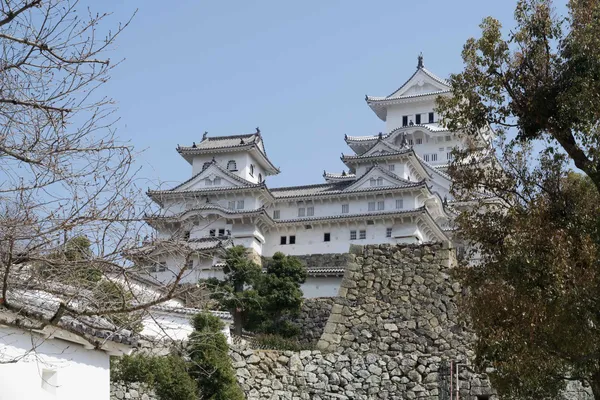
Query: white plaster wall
point(321, 286)
point(80, 373)
point(202, 269)
point(396, 112)
point(311, 241)
point(170, 325)
point(331, 207)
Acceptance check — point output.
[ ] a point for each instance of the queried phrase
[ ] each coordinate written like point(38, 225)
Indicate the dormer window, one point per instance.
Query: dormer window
point(379, 181)
point(231, 165)
point(217, 181)
point(207, 182)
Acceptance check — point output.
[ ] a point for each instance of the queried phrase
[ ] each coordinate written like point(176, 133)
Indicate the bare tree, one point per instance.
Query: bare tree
point(65, 178)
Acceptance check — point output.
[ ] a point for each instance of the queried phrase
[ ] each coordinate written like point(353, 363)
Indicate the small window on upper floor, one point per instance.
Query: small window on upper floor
point(388, 232)
point(448, 138)
point(276, 214)
point(283, 240)
point(251, 169)
point(292, 239)
point(373, 182)
point(371, 206)
point(410, 142)
point(380, 205)
point(207, 182)
point(391, 167)
point(327, 237)
point(430, 117)
point(352, 235)
point(221, 232)
point(310, 211)
point(434, 157)
point(301, 212)
point(217, 181)
point(419, 141)
point(212, 232)
point(362, 234)
point(240, 204)
point(231, 165)
point(379, 181)
point(449, 156)
point(418, 119)
point(345, 208)
point(426, 157)
point(399, 204)
point(231, 205)
point(189, 264)
point(260, 179)
point(405, 120)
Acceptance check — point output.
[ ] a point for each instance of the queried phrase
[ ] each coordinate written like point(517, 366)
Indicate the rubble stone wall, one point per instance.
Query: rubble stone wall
point(313, 317)
point(392, 331)
point(122, 390)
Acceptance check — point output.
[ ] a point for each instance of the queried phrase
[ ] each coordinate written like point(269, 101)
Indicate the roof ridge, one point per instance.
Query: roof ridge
point(301, 186)
point(224, 137)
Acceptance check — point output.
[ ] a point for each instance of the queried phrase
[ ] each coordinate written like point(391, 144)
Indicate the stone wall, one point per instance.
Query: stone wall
point(313, 318)
point(392, 332)
point(122, 390)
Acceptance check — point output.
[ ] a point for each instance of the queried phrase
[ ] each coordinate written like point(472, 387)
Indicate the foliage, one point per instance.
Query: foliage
point(280, 297)
point(112, 295)
point(535, 291)
point(260, 302)
point(168, 375)
point(210, 364)
point(277, 342)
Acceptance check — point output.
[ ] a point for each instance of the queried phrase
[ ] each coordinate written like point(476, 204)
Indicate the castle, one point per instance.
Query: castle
point(395, 191)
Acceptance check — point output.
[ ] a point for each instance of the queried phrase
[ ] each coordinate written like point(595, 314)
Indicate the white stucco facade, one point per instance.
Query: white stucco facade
point(394, 191)
point(54, 365)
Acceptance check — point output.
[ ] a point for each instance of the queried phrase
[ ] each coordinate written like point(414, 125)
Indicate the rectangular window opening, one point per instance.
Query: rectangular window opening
point(301, 212)
point(310, 211)
point(380, 205)
point(283, 240)
point(388, 232)
point(240, 204)
point(232, 205)
point(292, 239)
point(391, 167)
point(352, 235)
point(363, 235)
point(405, 120)
point(399, 204)
point(418, 119)
point(371, 206)
point(276, 214)
point(327, 237)
point(221, 232)
point(212, 232)
point(430, 117)
point(345, 208)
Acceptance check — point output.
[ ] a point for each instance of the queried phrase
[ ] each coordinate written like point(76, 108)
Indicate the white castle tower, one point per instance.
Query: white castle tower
point(394, 192)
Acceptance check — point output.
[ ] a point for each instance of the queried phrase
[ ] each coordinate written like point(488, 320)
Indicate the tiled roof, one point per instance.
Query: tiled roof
point(430, 127)
point(192, 311)
point(428, 73)
point(222, 142)
point(433, 168)
point(223, 170)
point(325, 271)
point(342, 217)
point(375, 99)
point(382, 155)
point(333, 188)
point(207, 206)
point(339, 176)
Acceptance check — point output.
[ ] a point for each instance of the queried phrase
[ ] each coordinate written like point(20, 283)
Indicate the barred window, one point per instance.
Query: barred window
point(310, 211)
point(276, 214)
point(352, 235)
point(399, 204)
point(363, 235)
point(380, 205)
point(345, 208)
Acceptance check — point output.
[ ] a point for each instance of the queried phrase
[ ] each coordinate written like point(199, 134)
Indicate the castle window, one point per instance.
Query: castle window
point(186, 235)
point(327, 237)
point(352, 235)
point(441, 149)
point(231, 165)
point(276, 214)
point(240, 204)
point(405, 120)
point(231, 205)
point(419, 141)
point(345, 208)
point(434, 157)
point(205, 165)
point(362, 235)
point(310, 211)
point(449, 156)
point(426, 157)
point(418, 119)
point(380, 205)
point(301, 212)
point(189, 264)
point(212, 233)
point(373, 182)
point(448, 138)
point(217, 181)
point(391, 167)
point(371, 206)
point(388, 232)
point(430, 117)
point(207, 182)
point(260, 177)
point(283, 240)
point(399, 204)
point(251, 169)
point(410, 142)
point(221, 232)
point(292, 239)
point(379, 181)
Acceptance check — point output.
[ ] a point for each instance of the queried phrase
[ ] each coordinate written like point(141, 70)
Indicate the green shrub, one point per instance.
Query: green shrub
point(277, 342)
point(210, 364)
point(168, 375)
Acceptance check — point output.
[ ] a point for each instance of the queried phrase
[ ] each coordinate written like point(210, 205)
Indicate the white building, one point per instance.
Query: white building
point(393, 192)
point(56, 364)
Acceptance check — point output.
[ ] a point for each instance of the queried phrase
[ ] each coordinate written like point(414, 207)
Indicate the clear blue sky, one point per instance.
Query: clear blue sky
point(297, 69)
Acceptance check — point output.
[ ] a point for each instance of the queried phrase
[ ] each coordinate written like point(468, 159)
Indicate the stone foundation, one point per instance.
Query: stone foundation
point(313, 318)
point(122, 390)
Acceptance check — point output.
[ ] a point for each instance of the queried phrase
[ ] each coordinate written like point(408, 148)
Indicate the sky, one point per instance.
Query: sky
point(299, 70)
